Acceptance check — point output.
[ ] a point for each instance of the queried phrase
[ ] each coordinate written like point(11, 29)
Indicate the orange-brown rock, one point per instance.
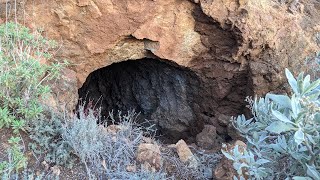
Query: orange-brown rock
point(272, 38)
point(185, 154)
point(235, 47)
point(96, 33)
point(149, 156)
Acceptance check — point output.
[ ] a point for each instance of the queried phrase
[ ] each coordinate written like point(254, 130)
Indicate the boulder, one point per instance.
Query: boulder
point(149, 156)
point(208, 138)
point(185, 154)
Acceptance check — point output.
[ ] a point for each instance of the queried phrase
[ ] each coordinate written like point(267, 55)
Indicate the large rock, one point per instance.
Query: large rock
point(149, 156)
point(208, 138)
point(277, 39)
point(185, 154)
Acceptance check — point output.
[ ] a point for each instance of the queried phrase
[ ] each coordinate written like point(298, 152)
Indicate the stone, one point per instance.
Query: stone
point(223, 119)
point(185, 154)
point(55, 170)
point(63, 95)
point(224, 170)
point(208, 138)
point(149, 156)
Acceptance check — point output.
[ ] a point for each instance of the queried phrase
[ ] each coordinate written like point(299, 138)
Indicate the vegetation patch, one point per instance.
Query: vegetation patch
point(283, 136)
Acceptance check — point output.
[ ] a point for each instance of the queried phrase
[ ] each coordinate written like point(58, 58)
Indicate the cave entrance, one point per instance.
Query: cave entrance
point(178, 101)
point(163, 92)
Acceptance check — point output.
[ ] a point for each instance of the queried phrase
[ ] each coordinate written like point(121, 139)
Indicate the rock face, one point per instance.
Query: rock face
point(234, 48)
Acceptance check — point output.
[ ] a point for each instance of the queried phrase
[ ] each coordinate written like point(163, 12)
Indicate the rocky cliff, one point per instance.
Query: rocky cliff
point(234, 48)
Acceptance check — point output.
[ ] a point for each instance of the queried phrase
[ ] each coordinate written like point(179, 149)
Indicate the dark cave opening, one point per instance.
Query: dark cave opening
point(161, 91)
point(176, 100)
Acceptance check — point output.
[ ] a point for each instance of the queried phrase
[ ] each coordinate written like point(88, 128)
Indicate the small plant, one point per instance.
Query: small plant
point(16, 159)
point(28, 174)
point(47, 140)
point(85, 137)
point(24, 71)
point(106, 152)
point(283, 135)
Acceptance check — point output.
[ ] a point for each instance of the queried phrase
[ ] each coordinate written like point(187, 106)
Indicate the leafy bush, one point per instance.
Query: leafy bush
point(28, 174)
point(283, 135)
point(85, 137)
point(47, 140)
point(23, 73)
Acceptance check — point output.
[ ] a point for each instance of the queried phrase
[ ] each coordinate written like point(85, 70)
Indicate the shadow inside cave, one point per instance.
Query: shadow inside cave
point(161, 91)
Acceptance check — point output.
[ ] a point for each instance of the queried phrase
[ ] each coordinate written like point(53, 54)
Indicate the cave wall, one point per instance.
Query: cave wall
point(265, 35)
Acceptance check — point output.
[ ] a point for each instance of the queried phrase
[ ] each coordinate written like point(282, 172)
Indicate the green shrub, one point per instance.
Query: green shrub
point(25, 69)
point(23, 75)
point(16, 159)
point(283, 137)
point(85, 137)
point(46, 136)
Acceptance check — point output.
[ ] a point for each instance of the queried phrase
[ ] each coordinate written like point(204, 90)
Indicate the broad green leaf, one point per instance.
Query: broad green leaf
point(262, 161)
point(317, 118)
point(306, 82)
point(282, 100)
point(312, 86)
point(299, 137)
point(301, 178)
point(227, 155)
point(314, 95)
point(292, 81)
point(300, 83)
point(312, 172)
point(281, 117)
point(300, 116)
point(279, 127)
point(295, 106)
point(310, 138)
